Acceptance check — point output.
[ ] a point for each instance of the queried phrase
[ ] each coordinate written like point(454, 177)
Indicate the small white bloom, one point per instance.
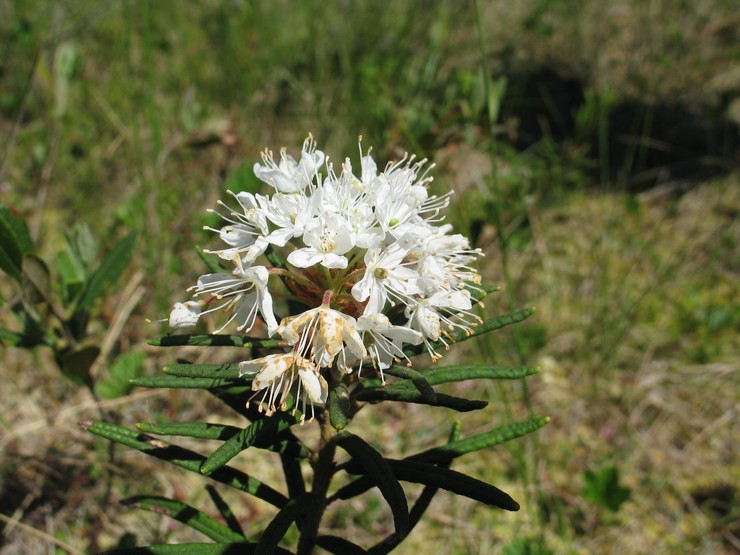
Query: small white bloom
point(184, 315)
point(328, 237)
point(247, 293)
point(322, 333)
point(274, 375)
point(385, 277)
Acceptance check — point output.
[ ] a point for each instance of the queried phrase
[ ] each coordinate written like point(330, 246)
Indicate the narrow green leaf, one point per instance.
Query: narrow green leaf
point(487, 326)
point(451, 480)
point(410, 395)
point(282, 442)
point(420, 506)
point(184, 458)
point(416, 378)
point(110, 269)
point(436, 376)
point(216, 340)
point(193, 549)
point(339, 406)
point(173, 382)
point(200, 430)
point(230, 371)
point(279, 525)
point(377, 469)
point(225, 511)
point(263, 428)
point(293, 476)
point(211, 262)
point(339, 546)
point(477, 442)
point(190, 516)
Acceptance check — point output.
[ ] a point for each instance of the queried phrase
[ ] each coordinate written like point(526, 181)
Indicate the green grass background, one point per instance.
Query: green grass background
point(593, 148)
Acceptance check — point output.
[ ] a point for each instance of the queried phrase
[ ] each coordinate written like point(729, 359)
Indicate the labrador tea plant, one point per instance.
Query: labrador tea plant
point(369, 276)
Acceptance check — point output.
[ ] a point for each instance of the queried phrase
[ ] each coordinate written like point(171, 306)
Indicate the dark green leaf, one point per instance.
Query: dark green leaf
point(75, 364)
point(36, 280)
point(15, 243)
point(293, 475)
point(287, 515)
point(188, 515)
point(480, 441)
point(110, 269)
point(377, 469)
point(194, 549)
point(263, 428)
point(436, 376)
point(184, 458)
point(339, 546)
point(225, 511)
point(217, 340)
point(201, 430)
point(419, 508)
point(456, 482)
point(230, 371)
point(282, 442)
point(416, 378)
point(184, 383)
point(339, 406)
point(411, 395)
point(126, 367)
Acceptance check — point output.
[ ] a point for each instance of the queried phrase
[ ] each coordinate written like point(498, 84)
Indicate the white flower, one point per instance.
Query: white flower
point(322, 333)
point(290, 176)
point(274, 375)
point(436, 315)
point(385, 276)
point(247, 293)
point(384, 341)
point(328, 237)
point(184, 315)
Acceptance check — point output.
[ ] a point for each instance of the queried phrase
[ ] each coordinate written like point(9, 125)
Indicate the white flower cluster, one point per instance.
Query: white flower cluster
point(368, 256)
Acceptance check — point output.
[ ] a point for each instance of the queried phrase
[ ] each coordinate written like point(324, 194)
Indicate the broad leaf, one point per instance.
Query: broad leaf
point(15, 243)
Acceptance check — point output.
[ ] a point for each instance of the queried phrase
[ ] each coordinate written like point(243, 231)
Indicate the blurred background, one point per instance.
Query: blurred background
point(593, 147)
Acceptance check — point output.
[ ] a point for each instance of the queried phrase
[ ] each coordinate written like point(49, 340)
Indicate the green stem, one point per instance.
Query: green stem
point(323, 469)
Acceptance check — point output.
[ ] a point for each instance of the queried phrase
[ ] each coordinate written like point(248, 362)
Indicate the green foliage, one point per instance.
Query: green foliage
point(53, 308)
point(125, 368)
point(603, 488)
point(366, 466)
